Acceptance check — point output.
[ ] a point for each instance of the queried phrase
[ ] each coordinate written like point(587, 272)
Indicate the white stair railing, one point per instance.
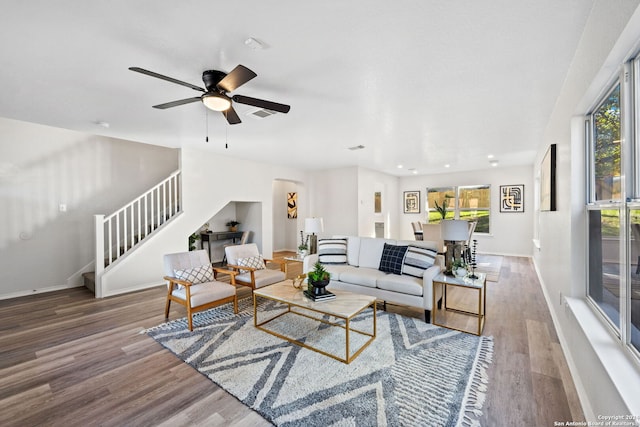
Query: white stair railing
point(121, 231)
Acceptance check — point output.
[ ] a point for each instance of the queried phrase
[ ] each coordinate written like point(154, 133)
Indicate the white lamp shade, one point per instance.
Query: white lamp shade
point(313, 225)
point(455, 230)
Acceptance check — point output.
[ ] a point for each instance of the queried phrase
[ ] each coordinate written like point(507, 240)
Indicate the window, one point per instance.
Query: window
point(471, 203)
point(474, 204)
point(606, 147)
point(613, 215)
point(439, 201)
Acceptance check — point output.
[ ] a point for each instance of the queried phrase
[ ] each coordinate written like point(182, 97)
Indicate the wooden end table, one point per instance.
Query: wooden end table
point(480, 285)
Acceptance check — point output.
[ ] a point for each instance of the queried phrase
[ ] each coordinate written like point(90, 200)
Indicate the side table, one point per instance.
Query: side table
point(479, 285)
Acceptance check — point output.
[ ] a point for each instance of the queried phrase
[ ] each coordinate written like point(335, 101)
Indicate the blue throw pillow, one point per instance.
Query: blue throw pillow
point(392, 258)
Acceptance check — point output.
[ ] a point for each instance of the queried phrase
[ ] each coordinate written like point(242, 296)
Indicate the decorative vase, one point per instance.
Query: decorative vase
point(460, 272)
point(233, 228)
point(302, 253)
point(318, 288)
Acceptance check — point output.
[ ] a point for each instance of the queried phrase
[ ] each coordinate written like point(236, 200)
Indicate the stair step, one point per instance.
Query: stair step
point(90, 280)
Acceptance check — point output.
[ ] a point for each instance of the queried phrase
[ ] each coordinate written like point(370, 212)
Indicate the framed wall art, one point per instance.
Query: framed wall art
point(377, 202)
point(411, 202)
point(548, 180)
point(292, 205)
point(512, 198)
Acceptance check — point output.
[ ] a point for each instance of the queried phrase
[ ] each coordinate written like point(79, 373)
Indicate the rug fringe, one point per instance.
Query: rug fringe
point(476, 393)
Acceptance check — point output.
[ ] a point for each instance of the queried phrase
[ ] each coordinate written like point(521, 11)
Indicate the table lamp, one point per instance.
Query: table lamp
point(454, 231)
point(313, 226)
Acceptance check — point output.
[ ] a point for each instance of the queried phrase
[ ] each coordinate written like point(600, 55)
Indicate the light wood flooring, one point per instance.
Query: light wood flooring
point(67, 359)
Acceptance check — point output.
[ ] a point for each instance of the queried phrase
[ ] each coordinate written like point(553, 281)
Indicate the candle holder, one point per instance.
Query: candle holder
point(473, 263)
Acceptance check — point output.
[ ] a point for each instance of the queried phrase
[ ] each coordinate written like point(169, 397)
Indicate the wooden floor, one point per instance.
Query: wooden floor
point(67, 359)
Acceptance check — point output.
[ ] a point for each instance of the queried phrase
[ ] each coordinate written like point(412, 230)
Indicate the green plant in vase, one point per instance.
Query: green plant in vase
point(318, 279)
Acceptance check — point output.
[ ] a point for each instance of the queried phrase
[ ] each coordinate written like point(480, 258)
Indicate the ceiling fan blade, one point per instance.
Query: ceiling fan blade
point(169, 79)
point(176, 103)
point(236, 78)
point(231, 116)
point(269, 105)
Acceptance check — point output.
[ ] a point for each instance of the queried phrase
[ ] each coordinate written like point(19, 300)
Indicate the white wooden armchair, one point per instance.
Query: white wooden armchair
point(252, 267)
point(192, 283)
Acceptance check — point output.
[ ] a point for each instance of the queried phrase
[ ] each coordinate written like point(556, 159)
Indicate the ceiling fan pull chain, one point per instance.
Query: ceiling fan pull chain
point(226, 136)
point(206, 119)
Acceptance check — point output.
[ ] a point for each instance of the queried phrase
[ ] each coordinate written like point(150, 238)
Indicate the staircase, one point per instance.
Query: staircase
point(122, 231)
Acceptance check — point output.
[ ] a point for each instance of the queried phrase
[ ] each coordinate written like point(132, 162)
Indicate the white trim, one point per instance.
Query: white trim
point(25, 293)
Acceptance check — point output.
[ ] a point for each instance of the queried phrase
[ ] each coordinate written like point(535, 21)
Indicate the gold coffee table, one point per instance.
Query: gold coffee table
point(345, 307)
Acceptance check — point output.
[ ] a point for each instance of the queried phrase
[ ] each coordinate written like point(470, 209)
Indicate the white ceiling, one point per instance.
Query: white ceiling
point(418, 83)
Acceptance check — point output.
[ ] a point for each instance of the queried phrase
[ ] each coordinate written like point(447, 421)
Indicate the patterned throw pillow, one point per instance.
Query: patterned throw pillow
point(392, 258)
point(195, 275)
point(256, 262)
point(417, 260)
point(332, 251)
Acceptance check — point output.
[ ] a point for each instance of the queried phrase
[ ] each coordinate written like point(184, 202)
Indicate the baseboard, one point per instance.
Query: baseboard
point(25, 293)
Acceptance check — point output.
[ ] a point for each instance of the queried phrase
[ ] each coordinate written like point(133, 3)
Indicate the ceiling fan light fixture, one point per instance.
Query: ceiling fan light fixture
point(216, 101)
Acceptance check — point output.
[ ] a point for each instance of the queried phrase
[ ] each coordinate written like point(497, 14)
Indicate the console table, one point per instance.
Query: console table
point(213, 236)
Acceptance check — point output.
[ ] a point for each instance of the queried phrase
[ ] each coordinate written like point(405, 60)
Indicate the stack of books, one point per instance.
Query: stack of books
point(317, 298)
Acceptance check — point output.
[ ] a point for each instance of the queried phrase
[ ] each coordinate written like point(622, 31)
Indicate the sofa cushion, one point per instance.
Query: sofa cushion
point(336, 270)
point(392, 258)
point(404, 284)
point(332, 251)
point(353, 249)
point(371, 251)
point(417, 260)
point(362, 276)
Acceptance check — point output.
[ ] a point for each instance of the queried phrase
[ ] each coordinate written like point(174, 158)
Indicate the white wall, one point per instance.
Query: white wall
point(561, 259)
point(335, 199)
point(286, 230)
point(510, 233)
point(369, 182)
point(42, 248)
point(254, 185)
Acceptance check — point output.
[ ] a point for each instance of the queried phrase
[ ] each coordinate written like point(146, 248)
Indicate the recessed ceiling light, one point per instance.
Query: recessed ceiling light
point(400, 166)
point(103, 124)
point(447, 165)
point(490, 156)
point(415, 171)
point(493, 163)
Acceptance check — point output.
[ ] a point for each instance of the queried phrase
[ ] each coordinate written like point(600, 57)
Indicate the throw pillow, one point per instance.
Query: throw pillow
point(417, 260)
point(392, 258)
point(256, 262)
point(332, 251)
point(195, 275)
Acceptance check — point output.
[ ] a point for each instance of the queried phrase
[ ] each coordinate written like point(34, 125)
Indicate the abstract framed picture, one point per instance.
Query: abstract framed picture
point(512, 198)
point(548, 180)
point(292, 205)
point(411, 202)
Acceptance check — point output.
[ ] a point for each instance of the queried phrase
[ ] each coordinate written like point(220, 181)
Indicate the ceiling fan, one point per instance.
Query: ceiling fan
point(218, 84)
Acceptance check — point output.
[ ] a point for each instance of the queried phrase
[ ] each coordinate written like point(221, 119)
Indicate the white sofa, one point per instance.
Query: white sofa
point(361, 273)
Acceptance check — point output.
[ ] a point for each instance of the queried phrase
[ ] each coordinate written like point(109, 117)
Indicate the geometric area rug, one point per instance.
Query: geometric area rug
point(412, 374)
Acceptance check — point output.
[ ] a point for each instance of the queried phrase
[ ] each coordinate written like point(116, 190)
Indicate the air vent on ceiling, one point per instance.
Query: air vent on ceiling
point(356, 147)
point(261, 113)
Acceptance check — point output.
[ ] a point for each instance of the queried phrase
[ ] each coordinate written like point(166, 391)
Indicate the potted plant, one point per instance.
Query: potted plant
point(303, 248)
point(459, 268)
point(318, 279)
point(192, 241)
point(233, 225)
point(442, 210)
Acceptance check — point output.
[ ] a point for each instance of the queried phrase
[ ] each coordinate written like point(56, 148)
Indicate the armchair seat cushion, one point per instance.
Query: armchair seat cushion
point(262, 277)
point(205, 293)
